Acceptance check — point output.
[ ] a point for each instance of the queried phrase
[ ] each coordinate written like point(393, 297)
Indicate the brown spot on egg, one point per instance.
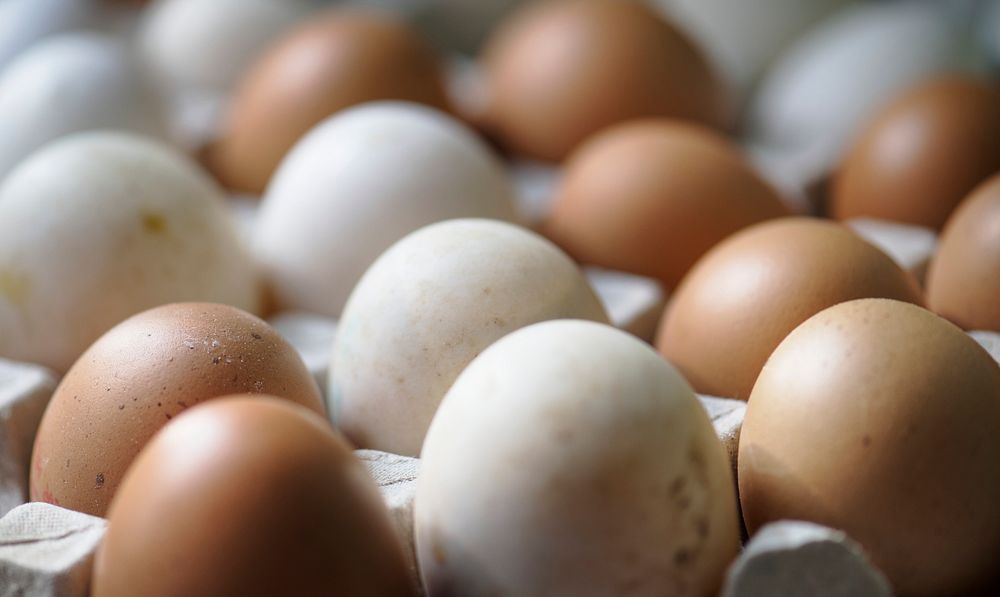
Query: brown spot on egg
point(154, 223)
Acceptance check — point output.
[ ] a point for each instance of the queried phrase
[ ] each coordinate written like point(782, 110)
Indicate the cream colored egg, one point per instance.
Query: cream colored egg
point(99, 226)
point(208, 44)
point(568, 459)
point(824, 87)
point(359, 182)
point(70, 83)
point(426, 308)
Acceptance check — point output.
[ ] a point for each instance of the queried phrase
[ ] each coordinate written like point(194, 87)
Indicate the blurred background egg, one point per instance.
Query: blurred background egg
point(426, 308)
point(824, 87)
point(249, 496)
point(138, 376)
point(650, 197)
point(744, 36)
point(879, 418)
point(359, 182)
point(336, 60)
point(98, 226)
point(208, 44)
point(963, 283)
point(70, 83)
point(558, 71)
point(923, 154)
point(24, 22)
point(746, 294)
point(572, 444)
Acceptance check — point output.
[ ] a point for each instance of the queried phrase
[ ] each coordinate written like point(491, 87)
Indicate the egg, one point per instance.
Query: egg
point(825, 87)
point(24, 22)
point(426, 308)
point(745, 295)
point(923, 154)
point(98, 226)
point(558, 71)
point(248, 495)
point(334, 61)
point(569, 459)
point(743, 37)
point(208, 44)
point(70, 83)
point(964, 276)
point(141, 374)
point(879, 418)
point(650, 197)
point(359, 182)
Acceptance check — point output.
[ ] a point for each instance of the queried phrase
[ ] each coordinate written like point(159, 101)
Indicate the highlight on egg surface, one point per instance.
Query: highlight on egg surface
point(746, 294)
point(250, 496)
point(344, 57)
point(141, 374)
point(557, 71)
point(652, 196)
point(879, 418)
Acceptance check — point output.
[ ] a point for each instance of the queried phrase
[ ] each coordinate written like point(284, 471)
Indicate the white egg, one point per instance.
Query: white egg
point(426, 308)
point(98, 226)
point(208, 44)
point(741, 36)
point(23, 22)
point(827, 85)
point(360, 181)
point(69, 83)
point(570, 459)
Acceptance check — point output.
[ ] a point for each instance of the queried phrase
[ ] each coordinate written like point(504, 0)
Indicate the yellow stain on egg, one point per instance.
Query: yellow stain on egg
point(15, 287)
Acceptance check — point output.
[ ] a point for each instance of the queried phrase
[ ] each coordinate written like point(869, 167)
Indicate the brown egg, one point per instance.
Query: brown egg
point(558, 71)
point(746, 294)
point(963, 282)
point(924, 154)
point(139, 375)
point(650, 197)
point(338, 60)
point(248, 496)
point(879, 418)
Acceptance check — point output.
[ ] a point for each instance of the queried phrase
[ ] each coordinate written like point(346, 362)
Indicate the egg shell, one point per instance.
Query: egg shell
point(249, 496)
point(70, 83)
point(917, 160)
point(24, 22)
point(879, 418)
point(336, 60)
point(359, 182)
point(745, 295)
point(100, 226)
point(208, 44)
point(825, 87)
point(426, 308)
point(964, 277)
point(743, 37)
point(568, 459)
point(650, 197)
point(558, 71)
point(141, 374)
